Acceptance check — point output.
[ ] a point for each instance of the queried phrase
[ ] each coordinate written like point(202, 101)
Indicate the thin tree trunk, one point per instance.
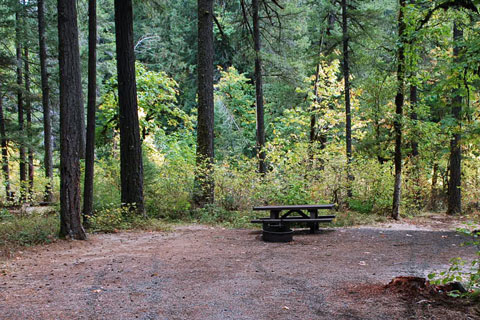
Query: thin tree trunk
point(399, 101)
point(454, 183)
point(4, 145)
point(28, 109)
point(376, 125)
point(91, 106)
point(47, 126)
point(204, 183)
point(313, 116)
point(314, 135)
point(346, 79)
point(131, 165)
point(413, 116)
point(70, 115)
point(20, 108)
point(433, 189)
point(262, 168)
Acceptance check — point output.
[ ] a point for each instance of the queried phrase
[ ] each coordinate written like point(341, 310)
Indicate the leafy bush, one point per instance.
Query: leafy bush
point(110, 218)
point(468, 273)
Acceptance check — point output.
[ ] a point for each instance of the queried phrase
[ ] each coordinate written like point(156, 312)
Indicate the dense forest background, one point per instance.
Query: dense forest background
point(365, 104)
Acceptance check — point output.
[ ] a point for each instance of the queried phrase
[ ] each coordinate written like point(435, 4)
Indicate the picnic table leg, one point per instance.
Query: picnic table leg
point(314, 225)
point(274, 214)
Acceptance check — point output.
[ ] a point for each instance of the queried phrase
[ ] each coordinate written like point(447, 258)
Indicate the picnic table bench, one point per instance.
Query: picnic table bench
point(304, 214)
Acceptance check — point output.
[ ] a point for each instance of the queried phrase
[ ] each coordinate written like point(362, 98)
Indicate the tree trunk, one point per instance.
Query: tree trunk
point(314, 135)
point(433, 189)
point(20, 108)
point(28, 109)
point(454, 183)
point(262, 168)
point(4, 145)
point(399, 101)
point(131, 165)
point(313, 116)
point(346, 79)
point(91, 108)
point(204, 183)
point(70, 115)
point(47, 126)
point(413, 116)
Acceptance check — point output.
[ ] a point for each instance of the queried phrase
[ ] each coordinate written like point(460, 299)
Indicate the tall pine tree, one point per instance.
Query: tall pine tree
point(131, 165)
point(71, 108)
point(204, 184)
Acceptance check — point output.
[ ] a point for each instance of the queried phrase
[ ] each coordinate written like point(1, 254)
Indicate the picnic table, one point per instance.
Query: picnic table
point(295, 214)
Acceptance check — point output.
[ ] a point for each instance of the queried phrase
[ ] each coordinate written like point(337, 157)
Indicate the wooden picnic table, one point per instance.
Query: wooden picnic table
point(303, 214)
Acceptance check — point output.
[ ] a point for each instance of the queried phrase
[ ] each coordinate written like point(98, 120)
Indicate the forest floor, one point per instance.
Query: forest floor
point(202, 272)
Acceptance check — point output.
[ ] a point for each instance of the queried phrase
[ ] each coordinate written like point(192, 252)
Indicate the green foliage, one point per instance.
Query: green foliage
point(234, 115)
point(115, 218)
point(112, 218)
point(297, 41)
point(26, 230)
point(168, 176)
point(106, 183)
point(295, 178)
point(212, 214)
point(157, 108)
point(468, 273)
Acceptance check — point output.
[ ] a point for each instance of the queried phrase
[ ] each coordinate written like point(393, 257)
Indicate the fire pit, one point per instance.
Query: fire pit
point(277, 233)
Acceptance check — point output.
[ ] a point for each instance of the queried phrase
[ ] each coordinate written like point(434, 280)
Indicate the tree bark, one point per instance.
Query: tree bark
point(70, 115)
point(399, 102)
point(346, 79)
point(91, 109)
point(131, 165)
point(455, 180)
point(4, 145)
point(20, 107)
point(28, 109)
point(47, 126)
point(262, 168)
point(204, 183)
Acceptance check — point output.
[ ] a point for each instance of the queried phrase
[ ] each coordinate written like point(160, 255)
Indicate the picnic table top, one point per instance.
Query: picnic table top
point(295, 207)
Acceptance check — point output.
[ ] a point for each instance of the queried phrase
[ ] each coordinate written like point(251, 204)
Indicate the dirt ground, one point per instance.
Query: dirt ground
point(199, 272)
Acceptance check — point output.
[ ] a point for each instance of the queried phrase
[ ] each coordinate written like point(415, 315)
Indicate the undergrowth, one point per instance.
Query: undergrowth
point(465, 272)
point(114, 218)
point(26, 230)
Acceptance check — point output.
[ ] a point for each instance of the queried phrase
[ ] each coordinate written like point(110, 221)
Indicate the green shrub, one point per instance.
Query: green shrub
point(168, 180)
point(212, 214)
point(360, 206)
point(5, 215)
point(114, 218)
point(111, 218)
point(106, 184)
point(468, 273)
point(26, 230)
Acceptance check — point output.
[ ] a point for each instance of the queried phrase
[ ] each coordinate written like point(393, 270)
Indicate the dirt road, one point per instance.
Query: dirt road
point(200, 272)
